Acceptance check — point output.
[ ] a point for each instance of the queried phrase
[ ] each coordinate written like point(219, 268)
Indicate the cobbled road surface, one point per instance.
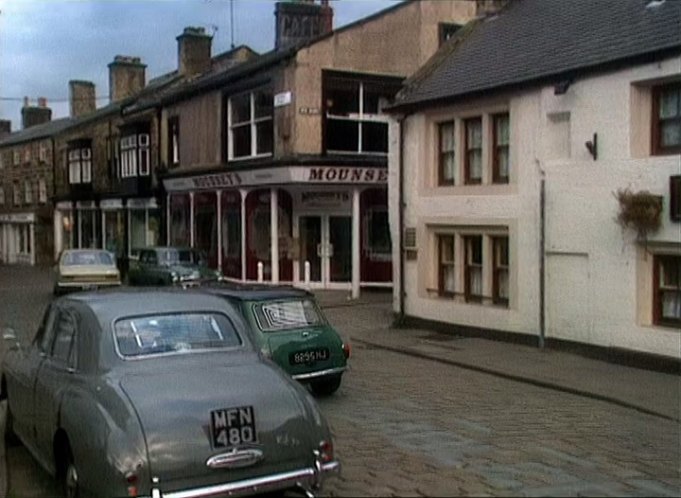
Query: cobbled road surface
point(407, 426)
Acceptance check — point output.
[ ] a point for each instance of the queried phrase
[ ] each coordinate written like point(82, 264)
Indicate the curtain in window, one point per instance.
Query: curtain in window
point(502, 139)
point(671, 305)
point(475, 281)
point(670, 117)
point(474, 145)
point(503, 284)
point(447, 151)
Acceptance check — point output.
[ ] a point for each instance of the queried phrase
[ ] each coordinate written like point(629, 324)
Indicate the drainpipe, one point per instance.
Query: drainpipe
point(400, 217)
point(542, 270)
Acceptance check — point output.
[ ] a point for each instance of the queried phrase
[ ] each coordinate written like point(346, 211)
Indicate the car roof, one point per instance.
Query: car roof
point(253, 292)
point(165, 248)
point(84, 250)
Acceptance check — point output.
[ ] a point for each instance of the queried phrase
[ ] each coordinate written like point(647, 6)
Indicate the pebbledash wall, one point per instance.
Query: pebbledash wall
point(599, 279)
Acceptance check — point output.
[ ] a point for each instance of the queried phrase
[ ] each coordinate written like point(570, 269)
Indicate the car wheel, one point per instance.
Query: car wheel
point(11, 438)
point(56, 291)
point(326, 386)
point(70, 478)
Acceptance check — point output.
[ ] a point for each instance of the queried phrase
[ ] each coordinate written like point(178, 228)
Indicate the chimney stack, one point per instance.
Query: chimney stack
point(126, 77)
point(5, 127)
point(297, 22)
point(81, 98)
point(35, 115)
point(193, 51)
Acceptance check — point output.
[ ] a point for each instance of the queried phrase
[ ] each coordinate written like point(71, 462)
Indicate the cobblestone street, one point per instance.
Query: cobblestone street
point(408, 424)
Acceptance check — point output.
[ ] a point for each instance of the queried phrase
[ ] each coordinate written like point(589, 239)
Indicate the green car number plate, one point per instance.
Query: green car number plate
point(308, 357)
point(231, 427)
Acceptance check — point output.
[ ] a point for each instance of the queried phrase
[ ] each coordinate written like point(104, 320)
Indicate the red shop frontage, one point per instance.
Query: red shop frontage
point(322, 227)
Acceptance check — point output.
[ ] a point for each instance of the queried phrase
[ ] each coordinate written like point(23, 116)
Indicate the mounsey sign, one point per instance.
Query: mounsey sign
point(339, 174)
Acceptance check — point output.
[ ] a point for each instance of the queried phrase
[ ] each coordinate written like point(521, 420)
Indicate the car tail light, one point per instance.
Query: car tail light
point(346, 350)
point(131, 479)
point(326, 451)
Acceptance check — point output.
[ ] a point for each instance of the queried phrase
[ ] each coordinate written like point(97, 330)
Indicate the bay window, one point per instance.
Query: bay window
point(135, 155)
point(250, 124)
point(80, 163)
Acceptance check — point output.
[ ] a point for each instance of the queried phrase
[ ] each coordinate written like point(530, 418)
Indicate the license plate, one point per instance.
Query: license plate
point(89, 287)
point(309, 356)
point(231, 427)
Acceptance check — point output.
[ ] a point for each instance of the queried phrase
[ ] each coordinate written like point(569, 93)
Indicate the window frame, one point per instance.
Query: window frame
point(16, 157)
point(658, 318)
point(442, 292)
point(498, 267)
point(657, 148)
point(467, 150)
point(174, 141)
point(252, 122)
point(28, 192)
point(675, 198)
point(16, 193)
point(442, 181)
point(79, 160)
point(42, 191)
point(497, 178)
point(469, 266)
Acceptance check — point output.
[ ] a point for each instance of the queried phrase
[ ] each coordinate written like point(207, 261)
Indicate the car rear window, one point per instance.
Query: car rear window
point(286, 315)
point(87, 258)
point(174, 333)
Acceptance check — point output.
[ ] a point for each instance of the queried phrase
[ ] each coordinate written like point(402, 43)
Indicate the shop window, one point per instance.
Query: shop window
point(135, 155)
point(500, 291)
point(79, 163)
point(675, 198)
point(447, 156)
point(354, 122)
point(377, 235)
point(205, 225)
point(67, 229)
point(667, 286)
point(666, 133)
point(179, 220)
point(231, 234)
point(114, 232)
point(446, 266)
point(473, 150)
point(28, 192)
point(174, 141)
point(250, 124)
point(42, 191)
point(87, 230)
point(500, 148)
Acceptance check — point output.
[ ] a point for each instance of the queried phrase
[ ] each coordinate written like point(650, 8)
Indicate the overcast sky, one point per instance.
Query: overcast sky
point(46, 43)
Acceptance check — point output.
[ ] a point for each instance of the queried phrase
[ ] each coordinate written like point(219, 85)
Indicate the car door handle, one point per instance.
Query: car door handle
point(306, 334)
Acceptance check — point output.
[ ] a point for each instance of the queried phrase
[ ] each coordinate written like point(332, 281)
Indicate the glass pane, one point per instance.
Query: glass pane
point(374, 137)
point(264, 103)
point(231, 234)
point(502, 130)
point(448, 166)
point(374, 97)
point(671, 305)
point(154, 227)
point(502, 282)
point(669, 103)
point(379, 233)
point(259, 243)
point(671, 273)
point(241, 141)
point(137, 229)
point(206, 228)
point(342, 98)
point(62, 343)
point(475, 164)
point(87, 228)
point(67, 230)
point(310, 240)
point(179, 220)
point(286, 315)
point(474, 134)
point(502, 162)
point(340, 237)
point(241, 108)
point(265, 134)
point(671, 133)
point(474, 247)
point(447, 249)
point(476, 281)
point(342, 135)
point(448, 280)
point(447, 137)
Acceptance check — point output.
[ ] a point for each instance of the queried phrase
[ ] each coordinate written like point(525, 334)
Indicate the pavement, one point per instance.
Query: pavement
point(647, 391)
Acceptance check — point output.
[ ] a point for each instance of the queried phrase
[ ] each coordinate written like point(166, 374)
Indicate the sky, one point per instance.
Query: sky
point(46, 43)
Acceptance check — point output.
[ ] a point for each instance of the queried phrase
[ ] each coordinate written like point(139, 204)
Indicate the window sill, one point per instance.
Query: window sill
point(247, 158)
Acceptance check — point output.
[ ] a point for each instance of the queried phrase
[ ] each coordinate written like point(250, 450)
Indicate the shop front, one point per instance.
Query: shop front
point(321, 227)
point(17, 238)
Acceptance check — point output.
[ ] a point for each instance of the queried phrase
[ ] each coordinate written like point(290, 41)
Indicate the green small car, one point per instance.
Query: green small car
point(289, 327)
point(171, 266)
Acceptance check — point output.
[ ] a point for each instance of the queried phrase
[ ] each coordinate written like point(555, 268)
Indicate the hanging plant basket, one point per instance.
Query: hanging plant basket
point(640, 211)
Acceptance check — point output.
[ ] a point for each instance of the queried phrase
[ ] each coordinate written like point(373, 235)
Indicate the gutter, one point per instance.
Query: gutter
point(400, 223)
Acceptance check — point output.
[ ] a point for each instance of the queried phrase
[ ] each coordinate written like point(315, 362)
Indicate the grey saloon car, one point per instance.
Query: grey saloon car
point(160, 394)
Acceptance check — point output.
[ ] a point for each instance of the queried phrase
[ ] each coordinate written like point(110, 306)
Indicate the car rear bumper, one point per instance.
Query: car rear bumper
point(310, 478)
point(319, 373)
point(87, 285)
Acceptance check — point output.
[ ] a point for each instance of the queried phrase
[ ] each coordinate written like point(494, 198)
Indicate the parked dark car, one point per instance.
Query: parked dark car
point(288, 326)
point(160, 394)
point(160, 266)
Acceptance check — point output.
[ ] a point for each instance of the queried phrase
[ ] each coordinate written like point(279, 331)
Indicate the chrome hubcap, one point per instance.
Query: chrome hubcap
point(71, 481)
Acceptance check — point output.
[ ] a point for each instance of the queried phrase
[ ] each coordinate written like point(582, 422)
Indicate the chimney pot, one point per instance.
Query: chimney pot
point(5, 127)
point(126, 77)
point(42, 102)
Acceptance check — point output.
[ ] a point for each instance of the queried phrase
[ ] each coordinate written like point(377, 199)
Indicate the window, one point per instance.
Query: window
point(377, 234)
point(667, 120)
point(287, 315)
point(667, 285)
point(473, 267)
point(174, 141)
point(500, 162)
point(42, 191)
point(446, 266)
point(354, 121)
point(47, 329)
point(62, 348)
point(500, 268)
point(16, 158)
point(27, 154)
point(28, 192)
point(251, 131)
point(446, 31)
point(80, 164)
point(2, 195)
point(16, 194)
point(447, 157)
point(473, 151)
point(2, 160)
point(42, 154)
point(675, 198)
point(113, 155)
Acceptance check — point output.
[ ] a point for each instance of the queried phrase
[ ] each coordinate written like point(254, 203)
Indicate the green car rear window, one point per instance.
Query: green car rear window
point(174, 333)
point(287, 315)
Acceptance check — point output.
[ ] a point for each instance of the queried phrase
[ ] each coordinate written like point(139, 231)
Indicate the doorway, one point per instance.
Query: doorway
point(326, 244)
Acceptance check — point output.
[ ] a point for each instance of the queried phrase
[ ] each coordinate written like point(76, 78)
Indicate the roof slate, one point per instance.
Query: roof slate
point(36, 132)
point(532, 40)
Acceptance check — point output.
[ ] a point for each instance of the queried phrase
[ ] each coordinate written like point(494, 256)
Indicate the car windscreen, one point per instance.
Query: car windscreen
point(286, 315)
point(87, 258)
point(174, 333)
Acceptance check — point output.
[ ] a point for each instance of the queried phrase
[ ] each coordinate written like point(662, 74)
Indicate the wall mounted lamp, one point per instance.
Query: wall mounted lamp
point(592, 146)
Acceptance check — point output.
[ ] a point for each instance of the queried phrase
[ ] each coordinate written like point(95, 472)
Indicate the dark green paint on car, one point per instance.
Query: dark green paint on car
point(159, 266)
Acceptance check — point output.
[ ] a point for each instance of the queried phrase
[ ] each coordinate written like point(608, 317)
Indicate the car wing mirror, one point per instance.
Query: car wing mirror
point(9, 335)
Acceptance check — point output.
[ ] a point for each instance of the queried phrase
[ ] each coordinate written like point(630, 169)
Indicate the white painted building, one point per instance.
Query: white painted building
point(475, 138)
